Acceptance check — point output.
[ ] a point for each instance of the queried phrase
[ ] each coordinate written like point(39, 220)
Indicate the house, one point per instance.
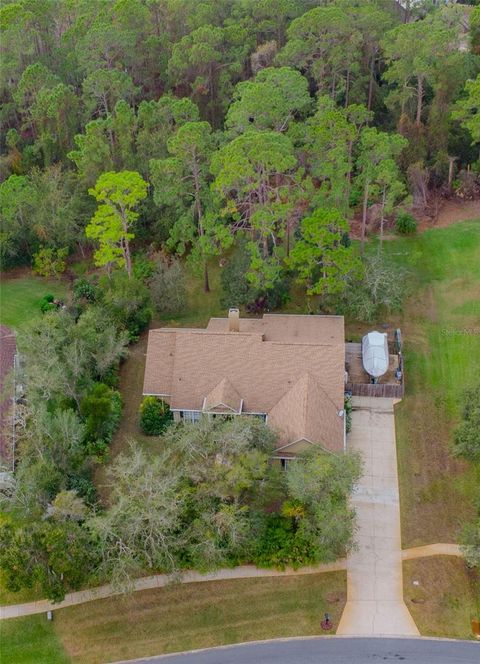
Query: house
point(288, 370)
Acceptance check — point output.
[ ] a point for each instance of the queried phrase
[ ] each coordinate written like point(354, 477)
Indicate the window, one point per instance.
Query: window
point(260, 416)
point(190, 415)
point(283, 463)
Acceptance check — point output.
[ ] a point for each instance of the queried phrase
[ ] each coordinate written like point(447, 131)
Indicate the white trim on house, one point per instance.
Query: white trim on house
point(303, 440)
point(154, 394)
point(294, 442)
point(209, 412)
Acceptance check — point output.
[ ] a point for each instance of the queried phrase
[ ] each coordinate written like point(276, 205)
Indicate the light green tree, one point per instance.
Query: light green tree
point(322, 258)
point(117, 194)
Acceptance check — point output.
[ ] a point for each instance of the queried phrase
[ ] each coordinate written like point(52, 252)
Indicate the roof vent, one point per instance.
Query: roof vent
point(233, 320)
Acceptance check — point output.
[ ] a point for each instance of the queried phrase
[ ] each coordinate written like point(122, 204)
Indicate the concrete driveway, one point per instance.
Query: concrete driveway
point(375, 604)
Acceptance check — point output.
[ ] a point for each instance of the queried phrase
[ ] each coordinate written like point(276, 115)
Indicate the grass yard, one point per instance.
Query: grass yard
point(446, 598)
point(441, 331)
point(199, 615)
point(20, 297)
point(30, 639)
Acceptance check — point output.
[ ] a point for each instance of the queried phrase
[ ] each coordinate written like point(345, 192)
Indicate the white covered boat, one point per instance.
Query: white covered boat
point(375, 357)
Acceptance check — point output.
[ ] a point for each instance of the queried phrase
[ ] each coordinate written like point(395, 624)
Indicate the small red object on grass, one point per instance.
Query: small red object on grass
point(326, 623)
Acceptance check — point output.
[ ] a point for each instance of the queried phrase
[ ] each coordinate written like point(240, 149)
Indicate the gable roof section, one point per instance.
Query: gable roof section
point(306, 412)
point(223, 395)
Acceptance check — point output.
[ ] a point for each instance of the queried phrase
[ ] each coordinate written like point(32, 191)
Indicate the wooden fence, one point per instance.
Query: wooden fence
point(376, 390)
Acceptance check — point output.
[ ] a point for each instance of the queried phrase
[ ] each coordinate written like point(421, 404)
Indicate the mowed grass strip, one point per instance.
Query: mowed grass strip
point(20, 298)
point(30, 640)
point(441, 332)
point(445, 596)
point(199, 615)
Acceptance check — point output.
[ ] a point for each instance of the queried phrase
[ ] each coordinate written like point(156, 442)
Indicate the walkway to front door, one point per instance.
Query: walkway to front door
point(374, 572)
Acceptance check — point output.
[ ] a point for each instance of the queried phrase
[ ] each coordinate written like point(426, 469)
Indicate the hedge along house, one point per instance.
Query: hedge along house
point(287, 369)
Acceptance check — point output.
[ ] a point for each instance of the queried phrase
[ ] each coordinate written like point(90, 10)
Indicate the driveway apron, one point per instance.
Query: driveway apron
point(375, 603)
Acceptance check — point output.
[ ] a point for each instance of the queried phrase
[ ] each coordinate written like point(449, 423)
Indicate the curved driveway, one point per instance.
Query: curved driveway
point(332, 651)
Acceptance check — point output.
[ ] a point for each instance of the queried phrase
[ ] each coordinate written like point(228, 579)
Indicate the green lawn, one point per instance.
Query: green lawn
point(30, 640)
point(441, 331)
point(199, 615)
point(20, 297)
point(445, 596)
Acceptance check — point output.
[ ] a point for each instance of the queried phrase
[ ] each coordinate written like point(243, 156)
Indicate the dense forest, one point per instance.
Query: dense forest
point(231, 121)
point(151, 137)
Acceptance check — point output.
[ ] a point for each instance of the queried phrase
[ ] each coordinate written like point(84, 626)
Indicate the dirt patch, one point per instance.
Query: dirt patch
point(16, 272)
point(449, 212)
point(131, 388)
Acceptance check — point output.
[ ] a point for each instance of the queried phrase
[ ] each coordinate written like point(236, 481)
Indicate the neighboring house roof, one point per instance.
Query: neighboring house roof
point(290, 367)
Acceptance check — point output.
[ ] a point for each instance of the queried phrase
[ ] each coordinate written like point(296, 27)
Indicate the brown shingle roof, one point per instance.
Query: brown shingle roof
point(160, 361)
point(263, 361)
point(288, 328)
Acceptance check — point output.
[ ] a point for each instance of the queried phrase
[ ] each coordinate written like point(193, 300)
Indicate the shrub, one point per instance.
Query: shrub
point(470, 543)
point(406, 223)
point(466, 442)
point(84, 486)
point(281, 545)
point(46, 303)
point(167, 287)
point(383, 289)
point(48, 262)
point(348, 414)
point(155, 415)
point(143, 268)
point(127, 301)
point(101, 409)
point(238, 292)
point(84, 290)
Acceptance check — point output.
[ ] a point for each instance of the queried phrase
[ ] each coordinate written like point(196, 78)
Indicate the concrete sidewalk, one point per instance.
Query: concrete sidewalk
point(375, 604)
point(160, 581)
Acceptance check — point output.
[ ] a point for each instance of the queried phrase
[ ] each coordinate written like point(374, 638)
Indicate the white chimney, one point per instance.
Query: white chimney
point(233, 320)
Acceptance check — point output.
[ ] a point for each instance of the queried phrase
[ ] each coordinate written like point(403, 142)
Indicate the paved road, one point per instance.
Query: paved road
point(332, 651)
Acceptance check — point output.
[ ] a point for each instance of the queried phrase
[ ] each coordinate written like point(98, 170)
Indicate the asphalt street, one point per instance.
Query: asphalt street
point(332, 651)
